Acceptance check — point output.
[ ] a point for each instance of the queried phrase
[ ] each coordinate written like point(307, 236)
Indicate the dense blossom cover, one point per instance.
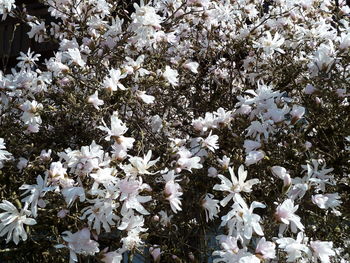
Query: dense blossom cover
point(178, 130)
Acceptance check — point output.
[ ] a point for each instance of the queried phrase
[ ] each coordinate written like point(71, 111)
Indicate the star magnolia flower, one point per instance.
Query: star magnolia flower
point(236, 185)
point(323, 250)
point(242, 256)
point(266, 249)
point(130, 187)
point(112, 83)
point(254, 157)
point(165, 220)
point(228, 243)
point(148, 99)
point(118, 128)
point(80, 243)
point(5, 7)
point(192, 66)
point(297, 112)
point(187, 161)
point(172, 191)
point(285, 214)
point(146, 15)
point(112, 257)
point(11, 222)
point(327, 200)
point(94, 100)
point(75, 55)
point(38, 31)
point(211, 142)
point(132, 240)
point(241, 220)
point(211, 207)
point(293, 248)
point(155, 253)
point(36, 192)
point(100, 213)
point(270, 45)
point(171, 76)
point(140, 165)
point(27, 60)
point(282, 173)
point(4, 155)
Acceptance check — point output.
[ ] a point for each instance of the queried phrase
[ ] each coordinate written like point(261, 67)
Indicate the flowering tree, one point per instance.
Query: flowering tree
point(159, 124)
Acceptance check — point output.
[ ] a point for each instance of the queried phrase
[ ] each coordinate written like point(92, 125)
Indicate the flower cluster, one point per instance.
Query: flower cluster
point(185, 129)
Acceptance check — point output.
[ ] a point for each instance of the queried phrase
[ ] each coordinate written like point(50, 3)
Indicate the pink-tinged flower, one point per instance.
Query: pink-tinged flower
point(229, 243)
point(212, 172)
point(265, 249)
point(62, 213)
point(285, 213)
point(309, 89)
point(12, 221)
point(155, 253)
point(297, 112)
point(172, 191)
point(322, 250)
point(79, 243)
point(282, 173)
point(95, 101)
point(112, 257)
point(279, 171)
point(327, 201)
point(236, 185)
point(192, 66)
point(250, 145)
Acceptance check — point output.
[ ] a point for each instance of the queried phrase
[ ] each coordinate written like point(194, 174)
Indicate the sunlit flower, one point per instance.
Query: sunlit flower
point(294, 248)
point(322, 250)
point(80, 243)
point(12, 221)
point(285, 213)
point(236, 185)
